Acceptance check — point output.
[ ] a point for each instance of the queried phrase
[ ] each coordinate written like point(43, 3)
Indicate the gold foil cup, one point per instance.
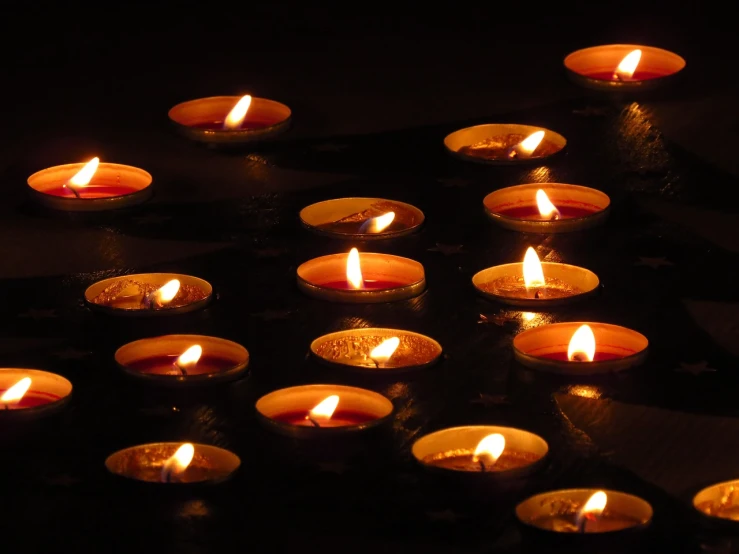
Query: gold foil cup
point(45, 385)
point(473, 135)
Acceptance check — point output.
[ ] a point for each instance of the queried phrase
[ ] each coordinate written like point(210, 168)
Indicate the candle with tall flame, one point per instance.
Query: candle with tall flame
point(504, 143)
point(230, 120)
point(174, 463)
point(547, 207)
point(622, 67)
point(532, 283)
point(30, 393)
point(183, 360)
point(90, 186)
point(580, 348)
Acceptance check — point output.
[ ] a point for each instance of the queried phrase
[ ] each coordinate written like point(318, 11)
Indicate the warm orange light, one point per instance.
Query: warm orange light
point(582, 345)
point(168, 291)
point(382, 353)
point(546, 208)
point(15, 393)
point(179, 462)
point(236, 116)
point(84, 175)
point(628, 65)
point(190, 356)
point(595, 505)
point(489, 449)
point(530, 143)
point(325, 408)
point(533, 274)
point(354, 270)
point(379, 223)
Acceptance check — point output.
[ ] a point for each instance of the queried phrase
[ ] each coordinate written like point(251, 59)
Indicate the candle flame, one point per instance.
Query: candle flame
point(491, 447)
point(546, 208)
point(628, 65)
point(325, 408)
point(530, 143)
point(582, 345)
point(354, 270)
point(168, 291)
point(16, 393)
point(594, 506)
point(533, 274)
point(190, 356)
point(84, 175)
point(382, 353)
point(236, 116)
point(179, 462)
point(377, 224)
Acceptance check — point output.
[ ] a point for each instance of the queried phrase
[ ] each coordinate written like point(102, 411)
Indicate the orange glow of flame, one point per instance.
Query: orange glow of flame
point(582, 345)
point(380, 223)
point(382, 353)
point(491, 447)
point(168, 291)
point(354, 270)
point(594, 506)
point(15, 393)
point(546, 208)
point(533, 274)
point(628, 65)
point(236, 116)
point(325, 408)
point(84, 176)
point(179, 462)
point(530, 143)
point(190, 356)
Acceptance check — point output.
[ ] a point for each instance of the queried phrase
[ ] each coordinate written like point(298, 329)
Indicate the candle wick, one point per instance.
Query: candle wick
point(377, 364)
point(579, 357)
point(182, 369)
point(482, 465)
point(313, 421)
point(581, 526)
point(536, 295)
point(74, 190)
point(7, 406)
point(617, 77)
point(512, 152)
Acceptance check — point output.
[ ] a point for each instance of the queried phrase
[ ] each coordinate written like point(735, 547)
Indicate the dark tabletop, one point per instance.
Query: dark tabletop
point(373, 96)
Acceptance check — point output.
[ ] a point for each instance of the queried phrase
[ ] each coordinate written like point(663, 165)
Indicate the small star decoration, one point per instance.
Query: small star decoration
point(697, 368)
point(654, 263)
point(447, 249)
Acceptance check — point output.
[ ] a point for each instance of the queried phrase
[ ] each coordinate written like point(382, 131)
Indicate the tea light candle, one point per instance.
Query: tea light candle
point(533, 284)
point(323, 411)
point(174, 463)
point(580, 348)
point(31, 393)
point(362, 218)
point(504, 143)
point(183, 360)
point(719, 503)
point(547, 207)
point(91, 186)
point(376, 350)
point(230, 120)
point(149, 294)
point(622, 67)
point(369, 278)
point(487, 450)
point(584, 511)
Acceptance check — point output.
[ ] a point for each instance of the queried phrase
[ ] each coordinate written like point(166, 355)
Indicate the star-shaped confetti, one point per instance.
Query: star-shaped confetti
point(271, 315)
point(654, 263)
point(71, 354)
point(34, 313)
point(490, 400)
point(151, 219)
point(453, 182)
point(447, 516)
point(329, 147)
point(447, 249)
point(697, 368)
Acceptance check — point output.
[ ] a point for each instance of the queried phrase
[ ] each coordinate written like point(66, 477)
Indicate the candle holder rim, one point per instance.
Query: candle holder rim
point(591, 49)
point(44, 409)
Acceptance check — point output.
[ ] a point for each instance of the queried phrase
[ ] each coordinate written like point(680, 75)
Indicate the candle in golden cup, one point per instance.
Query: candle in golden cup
point(376, 350)
point(547, 207)
point(504, 144)
point(30, 393)
point(149, 294)
point(183, 360)
point(623, 67)
point(174, 463)
point(495, 452)
point(535, 285)
point(362, 218)
point(718, 504)
point(361, 278)
point(580, 348)
point(90, 187)
point(323, 411)
point(231, 120)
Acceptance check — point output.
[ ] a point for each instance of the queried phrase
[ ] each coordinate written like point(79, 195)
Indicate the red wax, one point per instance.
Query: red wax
point(639, 75)
point(164, 365)
point(246, 124)
point(368, 285)
point(93, 190)
point(599, 357)
point(32, 399)
point(532, 212)
point(340, 418)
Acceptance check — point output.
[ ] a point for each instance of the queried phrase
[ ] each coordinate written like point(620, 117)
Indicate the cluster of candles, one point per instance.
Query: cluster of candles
point(331, 411)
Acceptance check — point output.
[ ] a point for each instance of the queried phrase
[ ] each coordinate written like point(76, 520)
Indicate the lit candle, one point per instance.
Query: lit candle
point(525, 284)
point(92, 186)
point(503, 143)
point(30, 393)
point(719, 503)
point(14, 395)
point(580, 348)
point(547, 207)
point(178, 463)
